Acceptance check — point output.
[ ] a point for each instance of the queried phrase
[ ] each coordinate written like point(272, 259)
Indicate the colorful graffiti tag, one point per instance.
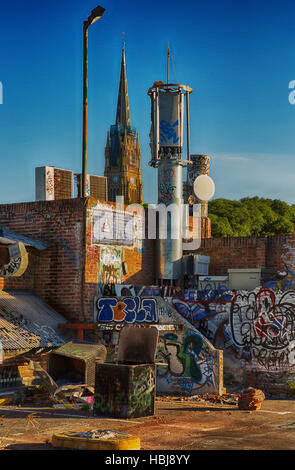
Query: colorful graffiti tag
point(188, 364)
point(128, 310)
point(181, 357)
point(110, 265)
point(287, 282)
point(265, 323)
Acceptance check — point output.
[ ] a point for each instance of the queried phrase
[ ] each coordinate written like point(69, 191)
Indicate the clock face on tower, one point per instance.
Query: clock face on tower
point(115, 179)
point(132, 180)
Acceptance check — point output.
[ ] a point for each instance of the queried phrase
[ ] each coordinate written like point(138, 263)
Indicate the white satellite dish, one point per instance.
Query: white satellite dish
point(204, 187)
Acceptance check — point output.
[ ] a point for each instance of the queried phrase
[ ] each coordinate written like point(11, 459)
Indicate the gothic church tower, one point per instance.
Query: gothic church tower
point(122, 151)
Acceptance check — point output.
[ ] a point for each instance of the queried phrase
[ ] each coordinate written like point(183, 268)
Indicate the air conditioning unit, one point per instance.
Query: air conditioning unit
point(53, 183)
point(196, 265)
point(96, 186)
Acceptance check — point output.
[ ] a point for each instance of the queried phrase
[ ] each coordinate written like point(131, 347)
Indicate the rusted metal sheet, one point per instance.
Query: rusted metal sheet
point(27, 322)
point(15, 339)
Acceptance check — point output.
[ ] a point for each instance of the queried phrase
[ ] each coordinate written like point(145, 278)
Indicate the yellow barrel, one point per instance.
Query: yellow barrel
point(96, 440)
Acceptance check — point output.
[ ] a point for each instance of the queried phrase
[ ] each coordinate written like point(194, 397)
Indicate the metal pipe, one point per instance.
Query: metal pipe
point(157, 124)
point(168, 57)
point(187, 128)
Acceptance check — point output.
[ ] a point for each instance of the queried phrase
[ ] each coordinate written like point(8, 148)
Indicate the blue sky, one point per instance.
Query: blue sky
point(238, 56)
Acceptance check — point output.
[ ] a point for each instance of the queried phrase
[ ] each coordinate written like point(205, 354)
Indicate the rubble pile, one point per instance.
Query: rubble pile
point(251, 399)
point(98, 434)
point(226, 399)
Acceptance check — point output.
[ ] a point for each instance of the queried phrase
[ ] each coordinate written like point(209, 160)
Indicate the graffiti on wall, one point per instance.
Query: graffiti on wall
point(18, 261)
point(265, 323)
point(196, 311)
point(122, 290)
point(110, 265)
point(254, 329)
point(256, 326)
point(188, 363)
point(208, 294)
point(284, 283)
point(176, 292)
point(119, 397)
point(129, 310)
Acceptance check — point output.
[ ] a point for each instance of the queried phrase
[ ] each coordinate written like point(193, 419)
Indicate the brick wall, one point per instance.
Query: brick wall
point(55, 273)
point(66, 275)
point(234, 252)
point(248, 252)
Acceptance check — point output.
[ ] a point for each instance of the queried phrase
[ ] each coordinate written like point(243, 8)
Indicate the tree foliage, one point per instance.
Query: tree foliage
point(251, 216)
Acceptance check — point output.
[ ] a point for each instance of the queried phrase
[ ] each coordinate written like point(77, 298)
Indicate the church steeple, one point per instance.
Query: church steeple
point(123, 111)
point(122, 151)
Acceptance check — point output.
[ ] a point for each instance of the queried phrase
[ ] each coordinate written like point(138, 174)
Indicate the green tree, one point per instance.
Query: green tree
point(251, 216)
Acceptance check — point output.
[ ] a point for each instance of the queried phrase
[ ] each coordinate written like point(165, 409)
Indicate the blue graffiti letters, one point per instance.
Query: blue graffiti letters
point(129, 310)
point(168, 131)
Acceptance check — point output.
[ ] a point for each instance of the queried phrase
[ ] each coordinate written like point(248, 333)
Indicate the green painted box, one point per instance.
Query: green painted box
point(124, 390)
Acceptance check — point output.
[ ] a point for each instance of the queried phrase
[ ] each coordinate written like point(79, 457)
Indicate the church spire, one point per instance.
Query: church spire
point(123, 111)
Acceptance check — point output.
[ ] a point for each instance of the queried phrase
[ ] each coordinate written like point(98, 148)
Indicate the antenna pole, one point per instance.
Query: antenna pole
point(168, 57)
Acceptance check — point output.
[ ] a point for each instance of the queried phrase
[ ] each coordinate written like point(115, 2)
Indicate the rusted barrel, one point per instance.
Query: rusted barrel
point(251, 399)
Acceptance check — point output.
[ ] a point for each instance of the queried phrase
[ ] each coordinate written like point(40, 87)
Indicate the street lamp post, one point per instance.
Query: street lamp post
point(94, 16)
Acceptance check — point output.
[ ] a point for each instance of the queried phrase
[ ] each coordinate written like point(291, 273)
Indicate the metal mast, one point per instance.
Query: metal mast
point(167, 115)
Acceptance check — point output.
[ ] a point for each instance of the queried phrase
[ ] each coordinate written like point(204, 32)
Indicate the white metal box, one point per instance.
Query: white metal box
point(244, 279)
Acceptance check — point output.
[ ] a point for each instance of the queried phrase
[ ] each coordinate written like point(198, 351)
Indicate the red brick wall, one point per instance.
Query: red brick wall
point(248, 252)
point(240, 252)
point(55, 273)
point(66, 275)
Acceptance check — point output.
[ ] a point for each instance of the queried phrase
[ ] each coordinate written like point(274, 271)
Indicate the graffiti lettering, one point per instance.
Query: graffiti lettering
point(110, 265)
point(181, 357)
point(129, 310)
point(264, 323)
point(168, 132)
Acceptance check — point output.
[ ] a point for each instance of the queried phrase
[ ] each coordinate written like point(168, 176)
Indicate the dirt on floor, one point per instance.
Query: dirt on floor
point(197, 423)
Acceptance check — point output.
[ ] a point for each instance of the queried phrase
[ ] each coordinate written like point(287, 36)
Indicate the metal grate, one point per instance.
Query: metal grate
point(9, 377)
point(98, 187)
point(63, 181)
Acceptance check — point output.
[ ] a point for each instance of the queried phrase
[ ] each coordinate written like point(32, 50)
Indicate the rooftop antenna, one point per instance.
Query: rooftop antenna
point(168, 58)
point(166, 142)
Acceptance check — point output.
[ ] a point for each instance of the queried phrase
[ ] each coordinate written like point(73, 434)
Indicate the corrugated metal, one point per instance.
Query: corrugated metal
point(27, 322)
point(7, 236)
point(15, 339)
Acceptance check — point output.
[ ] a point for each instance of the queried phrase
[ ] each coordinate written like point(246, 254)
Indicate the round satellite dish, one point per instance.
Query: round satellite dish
point(204, 187)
